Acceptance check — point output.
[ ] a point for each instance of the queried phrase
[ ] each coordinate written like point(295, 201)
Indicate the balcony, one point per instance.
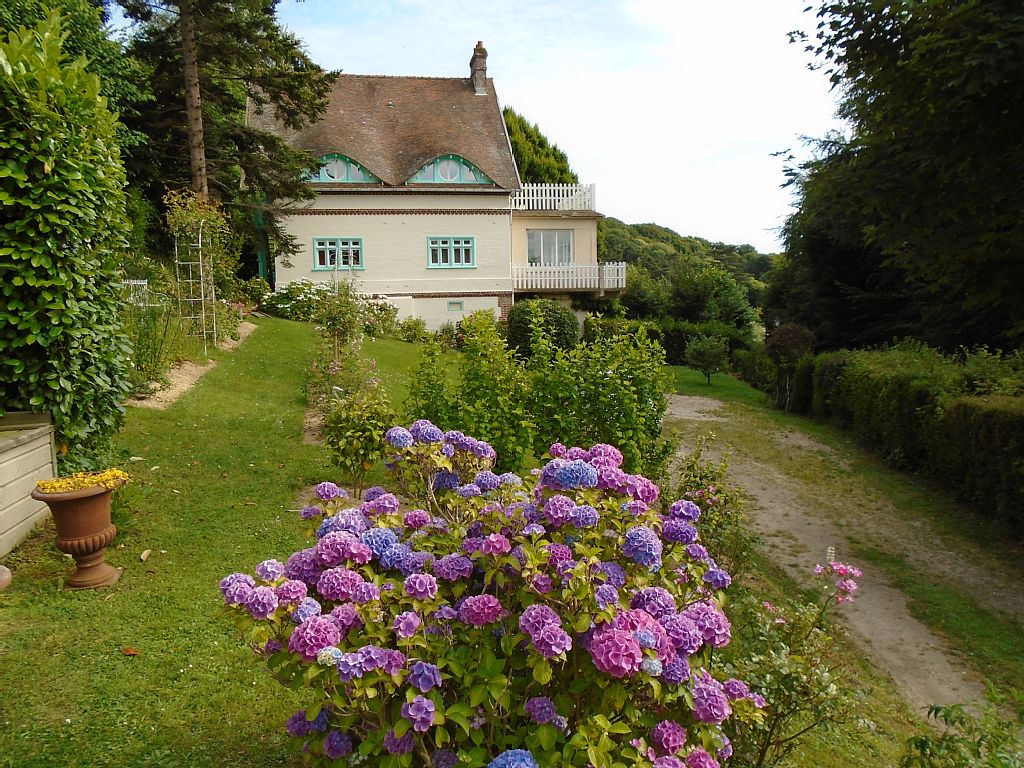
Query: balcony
point(555, 197)
point(570, 277)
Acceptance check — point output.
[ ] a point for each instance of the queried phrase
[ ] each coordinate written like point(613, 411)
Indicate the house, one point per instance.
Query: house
point(418, 200)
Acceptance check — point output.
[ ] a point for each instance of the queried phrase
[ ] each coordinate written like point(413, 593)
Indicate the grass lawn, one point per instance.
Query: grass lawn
point(219, 472)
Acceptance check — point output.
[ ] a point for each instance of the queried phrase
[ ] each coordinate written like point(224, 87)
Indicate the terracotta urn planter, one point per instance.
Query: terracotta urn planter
point(84, 530)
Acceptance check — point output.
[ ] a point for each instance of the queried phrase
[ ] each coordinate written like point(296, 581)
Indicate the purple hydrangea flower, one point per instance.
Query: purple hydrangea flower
point(374, 492)
point(416, 518)
point(345, 618)
point(557, 450)
point(614, 573)
point(270, 570)
point(604, 455)
point(468, 491)
point(309, 512)
point(423, 676)
point(678, 530)
point(312, 635)
point(365, 592)
point(510, 479)
point(444, 758)
point(611, 479)
point(542, 584)
point(372, 657)
point(684, 509)
point(552, 641)
point(615, 652)
point(697, 552)
point(668, 761)
point(736, 689)
point(634, 508)
point(236, 578)
point(262, 602)
point(291, 591)
point(514, 758)
point(337, 547)
point(655, 600)
point(350, 667)
point(724, 752)
point(639, 487)
point(298, 726)
point(337, 745)
point(585, 516)
point(486, 480)
point(445, 481)
point(712, 623)
point(383, 504)
point(710, 704)
point(394, 662)
point(495, 544)
point(676, 670)
point(238, 593)
point(398, 746)
point(453, 567)
point(421, 586)
point(338, 583)
point(534, 529)
point(419, 712)
point(400, 437)
point(606, 595)
point(480, 610)
point(308, 608)
point(642, 546)
point(557, 553)
point(699, 758)
point(303, 566)
point(652, 667)
point(716, 578)
point(406, 623)
point(328, 491)
point(424, 431)
point(558, 510)
point(685, 635)
point(668, 737)
point(541, 709)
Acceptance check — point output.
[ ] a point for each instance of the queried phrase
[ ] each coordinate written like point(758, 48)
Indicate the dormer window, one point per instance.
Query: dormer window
point(340, 169)
point(450, 169)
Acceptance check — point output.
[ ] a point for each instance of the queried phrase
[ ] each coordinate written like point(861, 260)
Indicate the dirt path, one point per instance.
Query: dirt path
point(798, 520)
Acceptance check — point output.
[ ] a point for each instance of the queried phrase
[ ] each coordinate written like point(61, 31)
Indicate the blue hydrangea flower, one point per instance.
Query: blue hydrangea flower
point(651, 666)
point(400, 437)
point(395, 557)
point(585, 516)
point(468, 491)
point(486, 480)
point(717, 578)
point(423, 675)
point(575, 474)
point(606, 595)
point(514, 758)
point(308, 608)
point(679, 530)
point(645, 638)
point(445, 481)
point(642, 546)
point(350, 666)
point(379, 540)
point(510, 479)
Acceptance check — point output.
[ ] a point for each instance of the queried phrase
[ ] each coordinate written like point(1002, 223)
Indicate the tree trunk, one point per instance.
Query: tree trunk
point(193, 102)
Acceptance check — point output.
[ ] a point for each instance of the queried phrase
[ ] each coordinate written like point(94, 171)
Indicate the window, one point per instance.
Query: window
point(455, 306)
point(549, 247)
point(338, 169)
point(451, 252)
point(450, 169)
point(337, 253)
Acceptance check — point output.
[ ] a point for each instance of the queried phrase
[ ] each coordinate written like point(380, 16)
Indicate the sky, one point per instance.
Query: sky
point(673, 108)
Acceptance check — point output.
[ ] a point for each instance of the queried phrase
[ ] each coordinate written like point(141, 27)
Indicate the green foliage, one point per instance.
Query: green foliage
point(253, 291)
point(298, 300)
point(754, 367)
point(786, 345)
point(610, 390)
point(354, 432)
point(707, 354)
point(559, 322)
point(968, 740)
point(339, 317)
point(538, 160)
point(449, 335)
point(913, 223)
point(494, 392)
point(158, 341)
point(62, 348)
point(379, 316)
point(192, 220)
point(413, 330)
point(433, 395)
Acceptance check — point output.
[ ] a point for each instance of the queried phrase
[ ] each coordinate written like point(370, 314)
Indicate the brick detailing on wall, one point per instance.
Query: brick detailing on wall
point(504, 305)
point(400, 211)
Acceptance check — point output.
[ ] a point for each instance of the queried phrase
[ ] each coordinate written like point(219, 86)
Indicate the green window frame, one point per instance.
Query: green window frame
point(456, 306)
point(341, 169)
point(337, 254)
point(450, 169)
point(449, 252)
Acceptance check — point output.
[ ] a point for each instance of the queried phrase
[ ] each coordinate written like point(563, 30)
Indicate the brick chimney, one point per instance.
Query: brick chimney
point(478, 69)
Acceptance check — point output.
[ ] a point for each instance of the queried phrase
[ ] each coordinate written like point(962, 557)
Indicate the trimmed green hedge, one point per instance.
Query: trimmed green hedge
point(673, 335)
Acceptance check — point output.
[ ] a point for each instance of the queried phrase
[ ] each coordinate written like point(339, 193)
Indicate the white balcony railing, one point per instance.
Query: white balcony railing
point(572, 277)
point(555, 197)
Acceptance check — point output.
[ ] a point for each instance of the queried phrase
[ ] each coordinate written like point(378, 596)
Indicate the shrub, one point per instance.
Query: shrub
point(503, 622)
point(611, 390)
point(676, 334)
point(449, 336)
point(596, 327)
point(253, 291)
point(786, 345)
point(338, 315)
point(559, 322)
point(754, 367)
point(380, 318)
point(433, 393)
point(413, 330)
point(156, 335)
point(296, 301)
point(707, 354)
point(62, 347)
point(354, 432)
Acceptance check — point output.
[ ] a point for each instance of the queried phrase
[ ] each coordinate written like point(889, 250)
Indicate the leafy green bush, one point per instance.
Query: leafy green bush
point(338, 315)
point(62, 346)
point(433, 395)
point(828, 369)
point(354, 432)
point(380, 317)
point(611, 390)
point(413, 330)
point(448, 335)
point(253, 291)
point(296, 301)
point(596, 327)
point(559, 321)
point(156, 336)
point(676, 334)
point(754, 367)
point(707, 354)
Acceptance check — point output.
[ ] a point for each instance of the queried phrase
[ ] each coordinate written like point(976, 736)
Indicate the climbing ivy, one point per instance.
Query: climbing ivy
point(62, 348)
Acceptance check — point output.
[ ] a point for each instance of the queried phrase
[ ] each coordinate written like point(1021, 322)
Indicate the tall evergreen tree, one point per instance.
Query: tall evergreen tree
point(539, 161)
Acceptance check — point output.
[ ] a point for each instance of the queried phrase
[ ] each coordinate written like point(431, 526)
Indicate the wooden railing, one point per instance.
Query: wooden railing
point(572, 277)
point(555, 197)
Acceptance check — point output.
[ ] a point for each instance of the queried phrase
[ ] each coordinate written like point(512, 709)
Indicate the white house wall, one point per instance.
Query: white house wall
point(394, 230)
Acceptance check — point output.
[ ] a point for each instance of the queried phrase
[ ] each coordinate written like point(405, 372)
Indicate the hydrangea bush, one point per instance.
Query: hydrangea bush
point(480, 619)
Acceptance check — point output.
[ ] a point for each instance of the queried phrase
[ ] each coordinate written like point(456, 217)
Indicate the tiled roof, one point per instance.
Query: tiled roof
point(393, 126)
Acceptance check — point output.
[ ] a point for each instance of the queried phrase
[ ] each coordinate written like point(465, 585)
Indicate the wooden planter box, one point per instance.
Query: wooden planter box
point(26, 455)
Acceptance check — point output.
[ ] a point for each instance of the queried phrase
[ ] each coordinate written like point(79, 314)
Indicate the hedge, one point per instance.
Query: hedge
point(672, 334)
